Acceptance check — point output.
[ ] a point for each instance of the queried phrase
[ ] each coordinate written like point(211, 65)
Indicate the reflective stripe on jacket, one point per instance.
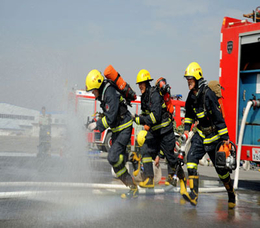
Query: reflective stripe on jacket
point(211, 125)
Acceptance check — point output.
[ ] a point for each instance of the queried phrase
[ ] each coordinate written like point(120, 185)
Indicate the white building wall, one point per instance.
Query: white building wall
point(15, 120)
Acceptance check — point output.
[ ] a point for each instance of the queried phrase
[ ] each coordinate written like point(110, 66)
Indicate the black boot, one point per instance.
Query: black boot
point(194, 188)
point(231, 193)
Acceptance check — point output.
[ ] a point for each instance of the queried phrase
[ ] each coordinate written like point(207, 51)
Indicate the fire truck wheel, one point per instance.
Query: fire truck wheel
point(108, 141)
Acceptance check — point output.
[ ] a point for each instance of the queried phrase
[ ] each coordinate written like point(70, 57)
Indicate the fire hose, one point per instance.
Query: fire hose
point(181, 155)
point(251, 103)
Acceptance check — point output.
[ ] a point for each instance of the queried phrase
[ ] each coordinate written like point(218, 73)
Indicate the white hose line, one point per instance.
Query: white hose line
point(240, 139)
point(27, 194)
point(61, 184)
point(142, 191)
point(20, 194)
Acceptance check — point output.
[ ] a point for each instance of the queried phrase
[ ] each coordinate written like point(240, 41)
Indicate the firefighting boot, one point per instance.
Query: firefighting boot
point(147, 183)
point(133, 192)
point(183, 186)
point(170, 180)
point(194, 187)
point(183, 190)
point(136, 161)
point(231, 193)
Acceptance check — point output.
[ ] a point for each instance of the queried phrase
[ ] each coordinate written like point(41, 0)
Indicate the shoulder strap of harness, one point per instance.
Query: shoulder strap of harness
point(104, 90)
point(205, 90)
point(152, 90)
point(123, 107)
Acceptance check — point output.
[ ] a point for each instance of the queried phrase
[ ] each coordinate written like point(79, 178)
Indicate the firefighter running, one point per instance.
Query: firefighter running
point(118, 118)
point(165, 91)
point(159, 133)
point(202, 105)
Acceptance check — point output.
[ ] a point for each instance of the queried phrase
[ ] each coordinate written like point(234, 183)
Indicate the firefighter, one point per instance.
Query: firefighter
point(159, 135)
point(202, 105)
point(165, 91)
point(119, 119)
point(44, 133)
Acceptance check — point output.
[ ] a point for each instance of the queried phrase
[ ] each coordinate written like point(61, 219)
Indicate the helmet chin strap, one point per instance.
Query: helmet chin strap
point(200, 83)
point(147, 85)
point(100, 90)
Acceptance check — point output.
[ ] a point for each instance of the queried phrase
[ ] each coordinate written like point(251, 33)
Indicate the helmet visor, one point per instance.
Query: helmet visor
point(89, 90)
point(189, 77)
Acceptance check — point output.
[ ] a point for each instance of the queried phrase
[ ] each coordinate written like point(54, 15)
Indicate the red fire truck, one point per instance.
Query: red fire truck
point(239, 74)
point(86, 106)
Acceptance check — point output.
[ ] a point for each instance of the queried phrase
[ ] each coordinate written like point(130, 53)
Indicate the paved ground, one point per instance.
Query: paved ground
point(80, 191)
point(28, 145)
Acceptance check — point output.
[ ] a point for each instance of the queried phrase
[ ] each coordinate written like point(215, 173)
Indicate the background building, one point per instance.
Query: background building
point(15, 120)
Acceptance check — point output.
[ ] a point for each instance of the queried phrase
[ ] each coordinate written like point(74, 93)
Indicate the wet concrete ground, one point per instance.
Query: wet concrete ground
point(84, 208)
point(70, 205)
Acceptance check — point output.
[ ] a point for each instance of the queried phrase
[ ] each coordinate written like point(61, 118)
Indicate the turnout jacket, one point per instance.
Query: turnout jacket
point(204, 107)
point(116, 116)
point(154, 112)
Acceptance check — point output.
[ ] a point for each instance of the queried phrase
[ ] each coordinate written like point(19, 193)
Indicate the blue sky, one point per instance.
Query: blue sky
point(49, 46)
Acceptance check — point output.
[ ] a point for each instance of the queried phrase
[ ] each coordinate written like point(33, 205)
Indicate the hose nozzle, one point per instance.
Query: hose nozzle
point(184, 138)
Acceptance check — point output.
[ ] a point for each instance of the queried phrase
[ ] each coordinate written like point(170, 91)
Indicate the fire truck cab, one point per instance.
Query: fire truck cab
point(239, 74)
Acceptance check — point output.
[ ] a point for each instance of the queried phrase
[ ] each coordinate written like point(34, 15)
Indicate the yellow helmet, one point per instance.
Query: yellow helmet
point(194, 70)
point(141, 137)
point(143, 76)
point(94, 80)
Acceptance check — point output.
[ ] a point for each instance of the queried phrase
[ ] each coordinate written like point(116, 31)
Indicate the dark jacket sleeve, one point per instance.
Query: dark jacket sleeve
point(156, 111)
point(189, 114)
point(111, 106)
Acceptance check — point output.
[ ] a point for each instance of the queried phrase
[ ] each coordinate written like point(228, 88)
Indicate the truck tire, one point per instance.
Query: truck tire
point(108, 141)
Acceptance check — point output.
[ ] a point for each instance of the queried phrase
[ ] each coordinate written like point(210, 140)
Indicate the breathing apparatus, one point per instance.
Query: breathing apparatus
point(163, 87)
point(165, 91)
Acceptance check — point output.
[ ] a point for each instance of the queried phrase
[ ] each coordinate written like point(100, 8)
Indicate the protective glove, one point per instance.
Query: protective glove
point(92, 126)
point(136, 119)
point(146, 127)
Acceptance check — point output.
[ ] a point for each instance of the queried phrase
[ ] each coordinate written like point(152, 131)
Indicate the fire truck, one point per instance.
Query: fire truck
point(239, 75)
point(86, 105)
